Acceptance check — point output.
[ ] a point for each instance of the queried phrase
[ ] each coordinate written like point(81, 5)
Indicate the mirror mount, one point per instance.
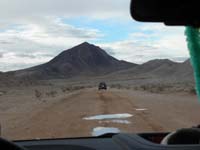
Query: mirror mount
point(169, 12)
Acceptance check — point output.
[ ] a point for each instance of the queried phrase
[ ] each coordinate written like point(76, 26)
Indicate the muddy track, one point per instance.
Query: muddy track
point(144, 115)
point(64, 117)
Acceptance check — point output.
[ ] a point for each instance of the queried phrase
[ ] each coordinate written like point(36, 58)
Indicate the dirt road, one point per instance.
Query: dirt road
point(64, 117)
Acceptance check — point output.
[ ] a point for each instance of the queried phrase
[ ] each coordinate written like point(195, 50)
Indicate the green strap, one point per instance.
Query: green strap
point(193, 40)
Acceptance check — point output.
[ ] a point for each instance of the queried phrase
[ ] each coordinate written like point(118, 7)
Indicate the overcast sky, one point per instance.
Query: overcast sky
point(34, 31)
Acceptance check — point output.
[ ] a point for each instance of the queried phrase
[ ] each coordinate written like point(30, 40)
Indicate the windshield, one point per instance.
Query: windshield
point(85, 68)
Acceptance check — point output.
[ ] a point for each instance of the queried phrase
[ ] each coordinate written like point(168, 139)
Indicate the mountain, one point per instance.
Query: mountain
point(87, 60)
point(148, 67)
point(84, 59)
point(158, 69)
point(169, 69)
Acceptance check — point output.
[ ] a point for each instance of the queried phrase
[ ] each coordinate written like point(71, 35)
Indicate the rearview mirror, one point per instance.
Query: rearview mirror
point(170, 12)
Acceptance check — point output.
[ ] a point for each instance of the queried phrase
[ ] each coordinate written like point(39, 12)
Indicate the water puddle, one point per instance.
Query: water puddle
point(140, 109)
point(97, 131)
point(108, 116)
point(115, 121)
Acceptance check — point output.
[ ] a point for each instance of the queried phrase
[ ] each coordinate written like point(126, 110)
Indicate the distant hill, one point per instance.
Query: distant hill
point(165, 68)
point(88, 60)
point(82, 60)
point(158, 70)
point(168, 69)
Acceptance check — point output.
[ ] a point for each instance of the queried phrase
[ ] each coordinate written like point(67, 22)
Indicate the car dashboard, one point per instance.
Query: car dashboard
point(147, 141)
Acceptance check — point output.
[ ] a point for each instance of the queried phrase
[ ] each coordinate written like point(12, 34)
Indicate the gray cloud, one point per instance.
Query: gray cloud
point(34, 55)
point(32, 32)
point(30, 27)
point(2, 42)
point(34, 10)
point(11, 67)
point(165, 43)
point(14, 60)
point(42, 40)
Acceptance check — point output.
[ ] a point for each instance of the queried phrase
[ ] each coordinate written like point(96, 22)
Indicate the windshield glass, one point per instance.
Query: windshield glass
point(85, 68)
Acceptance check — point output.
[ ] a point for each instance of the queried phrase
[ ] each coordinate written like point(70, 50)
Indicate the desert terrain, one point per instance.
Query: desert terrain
point(56, 113)
point(61, 99)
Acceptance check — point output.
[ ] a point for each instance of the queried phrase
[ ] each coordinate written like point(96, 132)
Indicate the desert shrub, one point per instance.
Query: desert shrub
point(154, 88)
point(2, 93)
point(116, 86)
point(77, 88)
point(90, 86)
point(72, 88)
point(127, 87)
point(65, 89)
point(51, 93)
point(192, 91)
point(143, 87)
point(119, 86)
point(38, 94)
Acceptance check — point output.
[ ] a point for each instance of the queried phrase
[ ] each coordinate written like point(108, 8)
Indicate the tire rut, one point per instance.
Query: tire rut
point(144, 116)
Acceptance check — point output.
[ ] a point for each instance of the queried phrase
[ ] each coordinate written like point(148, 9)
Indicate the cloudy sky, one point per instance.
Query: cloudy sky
point(34, 31)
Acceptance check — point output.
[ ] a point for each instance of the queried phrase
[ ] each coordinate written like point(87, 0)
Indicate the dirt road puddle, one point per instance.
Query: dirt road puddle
point(115, 121)
point(97, 131)
point(108, 116)
point(141, 109)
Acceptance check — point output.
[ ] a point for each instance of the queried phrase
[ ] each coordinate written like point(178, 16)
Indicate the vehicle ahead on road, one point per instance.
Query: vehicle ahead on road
point(102, 86)
point(187, 139)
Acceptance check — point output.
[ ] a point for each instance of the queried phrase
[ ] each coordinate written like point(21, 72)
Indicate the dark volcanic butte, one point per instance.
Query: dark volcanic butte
point(88, 60)
point(82, 60)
